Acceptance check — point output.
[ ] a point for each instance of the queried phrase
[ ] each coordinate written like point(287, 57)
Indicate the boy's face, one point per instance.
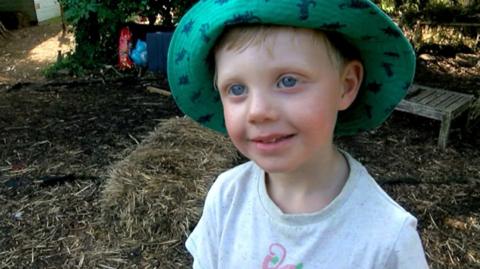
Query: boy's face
point(280, 100)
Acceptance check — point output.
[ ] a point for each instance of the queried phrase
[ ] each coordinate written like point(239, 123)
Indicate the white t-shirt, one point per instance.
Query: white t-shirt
point(241, 227)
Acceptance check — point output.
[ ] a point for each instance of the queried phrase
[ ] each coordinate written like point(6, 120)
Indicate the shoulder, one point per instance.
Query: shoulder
point(407, 251)
point(382, 220)
point(234, 182)
point(247, 169)
point(227, 192)
point(381, 215)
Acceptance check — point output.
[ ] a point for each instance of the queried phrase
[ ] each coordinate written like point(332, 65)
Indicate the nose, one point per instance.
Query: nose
point(262, 107)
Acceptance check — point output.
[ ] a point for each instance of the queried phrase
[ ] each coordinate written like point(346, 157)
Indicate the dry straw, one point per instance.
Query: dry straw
point(154, 196)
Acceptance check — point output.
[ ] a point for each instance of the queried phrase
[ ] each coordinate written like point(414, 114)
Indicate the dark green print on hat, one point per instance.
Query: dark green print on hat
point(388, 57)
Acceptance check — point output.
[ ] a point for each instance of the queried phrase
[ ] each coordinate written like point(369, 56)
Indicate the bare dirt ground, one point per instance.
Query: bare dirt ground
point(57, 141)
point(31, 49)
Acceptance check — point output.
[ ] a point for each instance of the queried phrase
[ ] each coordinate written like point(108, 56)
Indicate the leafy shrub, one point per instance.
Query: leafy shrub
point(69, 65)
point(96, 25)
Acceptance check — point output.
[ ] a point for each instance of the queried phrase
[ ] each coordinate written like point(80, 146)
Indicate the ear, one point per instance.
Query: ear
point(351, 80)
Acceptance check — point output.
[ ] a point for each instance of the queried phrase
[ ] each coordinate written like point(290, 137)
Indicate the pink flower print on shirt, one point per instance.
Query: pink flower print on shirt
point(274, 260)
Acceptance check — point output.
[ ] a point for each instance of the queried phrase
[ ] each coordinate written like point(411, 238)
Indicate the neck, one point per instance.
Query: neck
point(310, 188)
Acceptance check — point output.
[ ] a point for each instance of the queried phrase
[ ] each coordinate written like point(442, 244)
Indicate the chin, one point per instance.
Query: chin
point(275, 167)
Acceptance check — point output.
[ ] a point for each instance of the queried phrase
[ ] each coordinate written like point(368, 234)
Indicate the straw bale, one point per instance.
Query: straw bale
point(154, 196)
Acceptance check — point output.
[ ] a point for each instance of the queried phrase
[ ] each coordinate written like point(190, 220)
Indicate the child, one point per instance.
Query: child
point(289, 75)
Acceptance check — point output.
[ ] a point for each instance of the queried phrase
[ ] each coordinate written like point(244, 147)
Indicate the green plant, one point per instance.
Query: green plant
point(69, 65)
point(96, 25)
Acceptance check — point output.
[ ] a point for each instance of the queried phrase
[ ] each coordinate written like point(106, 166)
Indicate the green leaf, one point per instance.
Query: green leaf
point(97, 24)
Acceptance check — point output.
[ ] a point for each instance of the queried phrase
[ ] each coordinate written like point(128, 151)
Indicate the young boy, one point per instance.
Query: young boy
point(289, 75)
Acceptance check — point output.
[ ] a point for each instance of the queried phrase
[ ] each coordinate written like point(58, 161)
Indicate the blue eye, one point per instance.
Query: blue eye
point(237, 90)
point(287, 82)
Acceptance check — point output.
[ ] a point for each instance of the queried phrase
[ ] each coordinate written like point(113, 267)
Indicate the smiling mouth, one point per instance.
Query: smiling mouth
point(272, 140)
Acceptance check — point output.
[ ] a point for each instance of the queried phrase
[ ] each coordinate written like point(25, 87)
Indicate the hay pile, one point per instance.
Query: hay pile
point(154, 196)
point(448, 216)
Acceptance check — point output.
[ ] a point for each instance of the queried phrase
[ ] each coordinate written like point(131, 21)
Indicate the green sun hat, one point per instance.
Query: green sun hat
point(388, 57)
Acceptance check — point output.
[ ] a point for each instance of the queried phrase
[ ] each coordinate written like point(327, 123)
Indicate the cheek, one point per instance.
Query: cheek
point(320, 121)
point(233, 124)
point(317, 115)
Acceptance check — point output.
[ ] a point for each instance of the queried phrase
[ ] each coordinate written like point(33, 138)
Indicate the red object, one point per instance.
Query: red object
point(124, 44)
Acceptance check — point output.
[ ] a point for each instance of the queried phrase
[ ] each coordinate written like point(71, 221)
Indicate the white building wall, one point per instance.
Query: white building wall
point(47, 9)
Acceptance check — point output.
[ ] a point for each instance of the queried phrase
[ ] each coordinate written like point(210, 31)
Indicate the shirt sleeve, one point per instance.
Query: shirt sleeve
point(203, 242)
point(408, 251)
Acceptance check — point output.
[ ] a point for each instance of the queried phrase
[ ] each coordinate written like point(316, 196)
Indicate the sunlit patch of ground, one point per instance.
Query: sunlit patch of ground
point(47, 50)
point(30, 50)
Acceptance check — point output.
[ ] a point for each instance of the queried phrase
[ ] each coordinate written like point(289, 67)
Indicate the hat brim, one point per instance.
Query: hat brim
point(388, 58)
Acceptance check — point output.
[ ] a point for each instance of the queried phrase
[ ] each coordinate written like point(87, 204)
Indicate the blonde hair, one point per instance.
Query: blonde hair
point(340, 52)
point(241, 37)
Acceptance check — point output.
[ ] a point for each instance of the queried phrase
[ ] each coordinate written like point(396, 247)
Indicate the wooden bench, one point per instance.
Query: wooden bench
point(436, 104)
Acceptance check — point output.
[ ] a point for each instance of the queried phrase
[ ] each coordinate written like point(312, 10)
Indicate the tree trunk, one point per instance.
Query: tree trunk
point(88, 39)
point(64, 25)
